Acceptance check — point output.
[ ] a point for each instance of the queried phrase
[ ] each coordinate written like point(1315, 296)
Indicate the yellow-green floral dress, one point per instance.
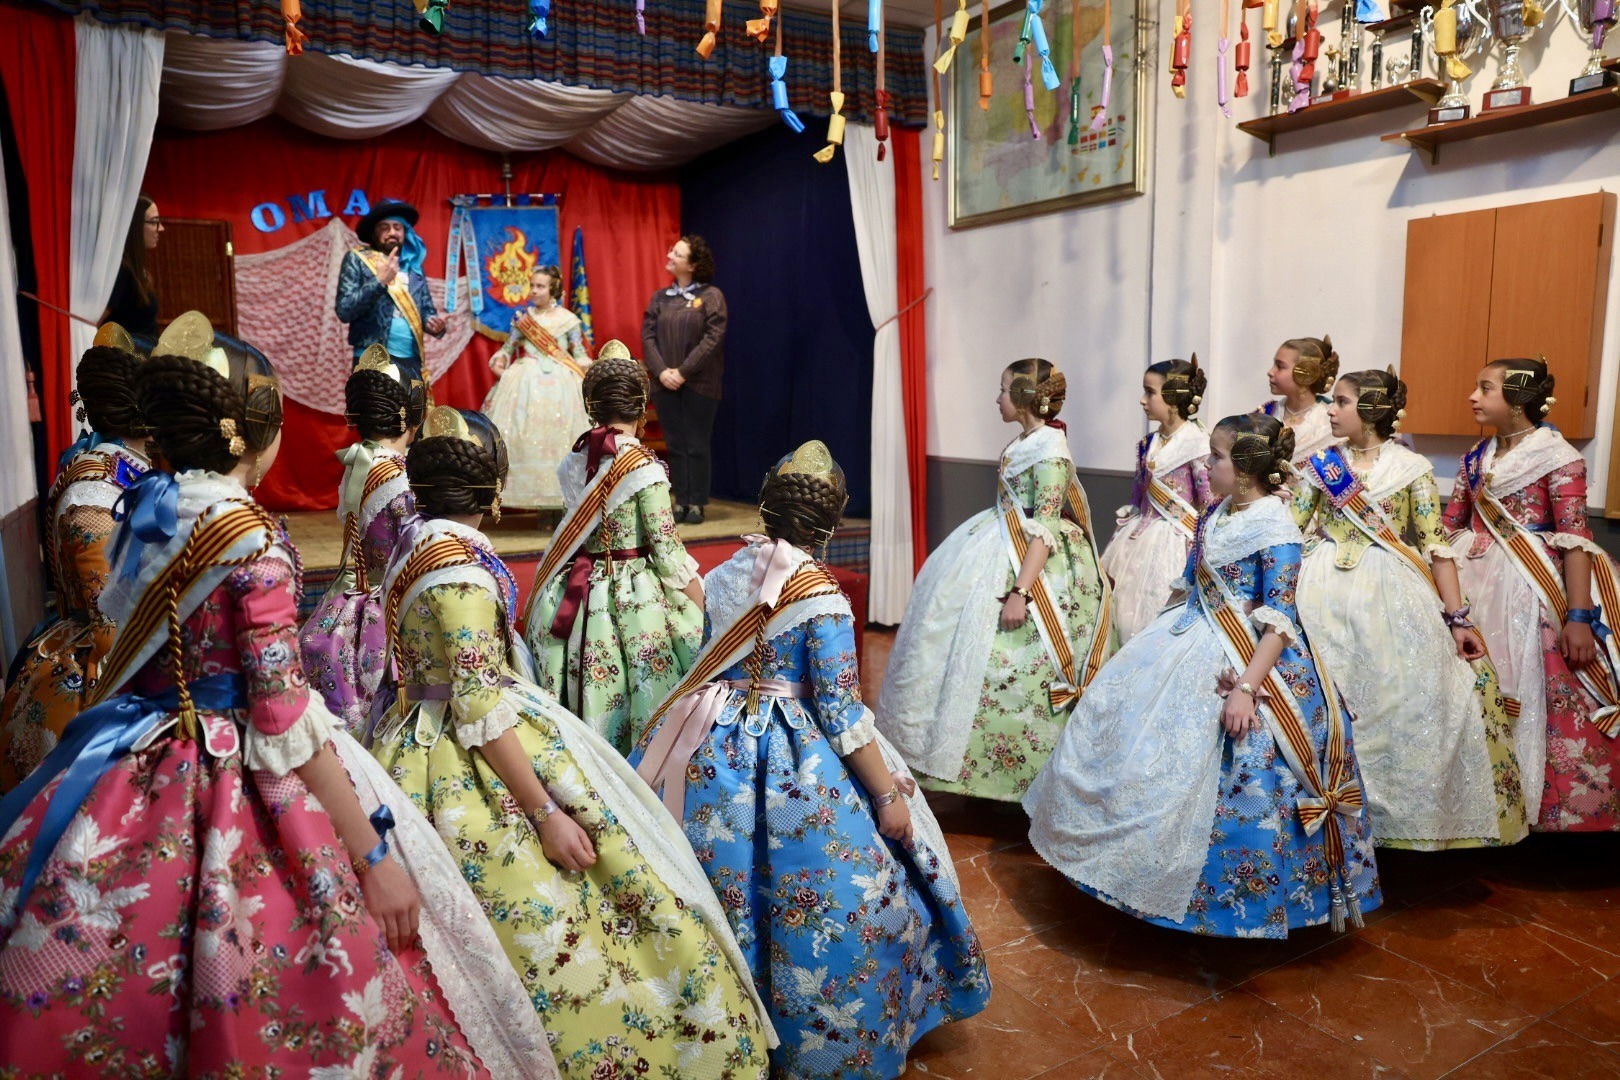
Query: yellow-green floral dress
point(631, 964)
point(1432, 731)
point(965, 702)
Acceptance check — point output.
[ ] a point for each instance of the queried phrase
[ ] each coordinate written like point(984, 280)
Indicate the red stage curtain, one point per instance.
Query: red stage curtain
point(37, 62)
point(629, 221)
point(908, 226)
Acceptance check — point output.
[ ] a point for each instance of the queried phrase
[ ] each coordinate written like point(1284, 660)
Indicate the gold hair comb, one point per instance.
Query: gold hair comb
point(443, 421)
point(112, 336)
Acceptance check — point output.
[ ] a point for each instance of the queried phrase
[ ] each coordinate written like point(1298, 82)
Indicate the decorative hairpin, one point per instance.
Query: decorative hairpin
point(192, 336)
point(233, 441)
point(444, 421)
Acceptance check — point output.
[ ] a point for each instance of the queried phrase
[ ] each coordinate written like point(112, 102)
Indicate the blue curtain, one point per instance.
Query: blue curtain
point(799, 341)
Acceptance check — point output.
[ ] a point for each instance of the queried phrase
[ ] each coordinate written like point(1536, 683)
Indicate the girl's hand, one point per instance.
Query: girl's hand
point(566, 843)
point(1013, 612)
point(392, 899)
point(1239, 715)
point(1470, 646)
point(1577, 644)
point(894, 821)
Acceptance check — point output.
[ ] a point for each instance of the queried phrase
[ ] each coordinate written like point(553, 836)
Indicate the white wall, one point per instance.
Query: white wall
point(1230, 252)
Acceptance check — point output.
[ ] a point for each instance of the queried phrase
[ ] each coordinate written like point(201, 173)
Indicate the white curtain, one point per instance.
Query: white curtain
point(212, 83)
point(116, 84)
point(16, 444)
point(871, 196)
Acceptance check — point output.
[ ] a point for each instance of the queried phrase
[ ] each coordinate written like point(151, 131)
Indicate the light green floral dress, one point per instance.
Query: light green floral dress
point(965, 702)
point(630, 964)
point(636, 632)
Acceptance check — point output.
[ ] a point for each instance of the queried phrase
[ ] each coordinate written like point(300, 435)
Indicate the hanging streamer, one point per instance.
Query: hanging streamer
point(759, 29)
point(291, 12)
point(777, 67)
point(539, 17)
point(880, 118)
point(1221, 46)
point(1074, 77)
point(874, 24)
point(641, 17)
point(1029, 102)
point(1268, 23)
point(939, 102)
point(835, 122)
point(959, 29)
point(1043, 48)
point(1245, 53)
point(430, 15)
point(1181, 48)
point(711, 27)
point(1099, 111)
point(984, 55)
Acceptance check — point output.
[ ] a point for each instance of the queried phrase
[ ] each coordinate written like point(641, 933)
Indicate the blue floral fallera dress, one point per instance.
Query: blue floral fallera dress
point(1148, 805)
point(858, 945)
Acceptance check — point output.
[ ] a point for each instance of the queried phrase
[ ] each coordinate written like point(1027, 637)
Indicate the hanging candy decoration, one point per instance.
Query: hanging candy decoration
point(880, 117)
point(641, 17)
point(959, 29)
point(835, 122)
point(874, 23)
point(759, 29)
point(1268, 23)
point(960, 18)
point(711, 27)
point(1245, 53)
point(1181, 49)
point(1029, 102)
point(1221, 46)
point(984, 55)
point(777, 67)
point(1099, 111)
point(291, 12)
point(539, 17)
point(1074, 78)
point(1043, 48)
point(430, 15)
point(1313, 46)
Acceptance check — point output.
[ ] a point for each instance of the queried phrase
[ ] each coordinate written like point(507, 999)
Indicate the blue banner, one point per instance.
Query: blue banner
point(501, 246)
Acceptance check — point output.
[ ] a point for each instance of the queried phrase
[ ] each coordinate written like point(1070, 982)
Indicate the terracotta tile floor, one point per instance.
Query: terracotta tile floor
point(1480, 965)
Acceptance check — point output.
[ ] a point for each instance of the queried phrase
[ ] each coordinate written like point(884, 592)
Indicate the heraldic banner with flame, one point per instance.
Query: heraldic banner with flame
point(501, 246)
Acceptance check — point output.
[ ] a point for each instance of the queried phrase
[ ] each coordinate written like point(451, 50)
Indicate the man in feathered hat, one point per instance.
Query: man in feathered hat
point(382, 288)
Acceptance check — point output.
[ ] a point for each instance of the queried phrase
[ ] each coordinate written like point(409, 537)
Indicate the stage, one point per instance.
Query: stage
point(521, 537)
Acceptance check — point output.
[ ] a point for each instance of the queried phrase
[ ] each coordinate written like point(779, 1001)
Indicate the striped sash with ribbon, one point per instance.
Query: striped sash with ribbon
point(1330, 783)
point(1347, 493)
point(1171, 506)
point(1070, 680)
point(585, 515)
point(439, 553)
point(1601, 677)
point(546, 342)
point(383, 470)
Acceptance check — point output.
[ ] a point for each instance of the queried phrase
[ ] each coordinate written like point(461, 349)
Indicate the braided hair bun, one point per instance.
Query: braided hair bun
point(1528, 385)
point(1380, 399)
point(1037, 385)
point(615, 387)
point(1262, 447)
point(1317, 365)
point(106, 393)
point(381, 400)
point(802, 499)
point(208, 401)
point(457, 467)
point(1184, 384)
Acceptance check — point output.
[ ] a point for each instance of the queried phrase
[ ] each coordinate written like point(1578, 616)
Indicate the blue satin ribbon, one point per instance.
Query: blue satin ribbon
point(150, 511)
point(87, 440)
point(382, 819)
point(539, 12)
point(1593, 617)
point(92, 743)
point(776, 66)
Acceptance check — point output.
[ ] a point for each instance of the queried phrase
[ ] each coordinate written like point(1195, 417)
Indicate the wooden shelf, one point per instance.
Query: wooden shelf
point(1493, 123)
point(1411, 6)
point(1267, 128)
point(1395, 22)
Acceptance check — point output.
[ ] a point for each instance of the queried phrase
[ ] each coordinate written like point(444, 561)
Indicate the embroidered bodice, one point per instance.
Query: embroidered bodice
point(1037, 468)
point(82, 525)
point(1181, 464)
point(638, 515)
point(383, 517)
point(1542, 483)
point(562, 324)
point(1255, 554)
point(1400, 484)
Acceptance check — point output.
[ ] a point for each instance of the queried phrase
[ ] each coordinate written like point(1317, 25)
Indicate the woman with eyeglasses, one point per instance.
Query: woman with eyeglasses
point(134, 301)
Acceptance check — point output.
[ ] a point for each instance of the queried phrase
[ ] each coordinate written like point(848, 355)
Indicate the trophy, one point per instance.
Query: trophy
point(1456, 32)
point(1513, 22)
point(1596, 18)
point(1377, 70)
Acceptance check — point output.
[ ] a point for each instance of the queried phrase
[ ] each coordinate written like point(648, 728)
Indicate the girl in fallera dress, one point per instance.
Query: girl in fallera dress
point(1009, 618)
point(1386, 616)
point(590, 885)
point(832, 870)
point(59, 664)
point(1207, 781)
point(189, 883)
point(1155, 529)
point(537, 401)
point(1541, 593)
point(344, 642)
point(1300, 376)
point(616, 614)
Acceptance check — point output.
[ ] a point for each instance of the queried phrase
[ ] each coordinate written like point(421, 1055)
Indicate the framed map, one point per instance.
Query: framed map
point(997, 170)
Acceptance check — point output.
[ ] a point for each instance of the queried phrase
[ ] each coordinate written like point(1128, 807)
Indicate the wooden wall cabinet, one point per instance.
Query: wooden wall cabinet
point(193, 269)
point(1526, 280)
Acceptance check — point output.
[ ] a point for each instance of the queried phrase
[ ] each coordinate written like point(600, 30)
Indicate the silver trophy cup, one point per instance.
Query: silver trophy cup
point(1473, 36)
point(1508, 24)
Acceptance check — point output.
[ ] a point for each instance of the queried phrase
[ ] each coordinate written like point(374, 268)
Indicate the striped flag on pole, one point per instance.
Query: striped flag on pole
point(579, 293)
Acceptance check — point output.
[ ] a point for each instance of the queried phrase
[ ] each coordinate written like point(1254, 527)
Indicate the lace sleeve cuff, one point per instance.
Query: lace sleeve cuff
point(1571, 542)
point(1440, 550)
point(1124, 512)
point(1269, 618)
point(1036, 531)
point(285, 751)
point(503, 717)
point(683, 575)
point(856, 736)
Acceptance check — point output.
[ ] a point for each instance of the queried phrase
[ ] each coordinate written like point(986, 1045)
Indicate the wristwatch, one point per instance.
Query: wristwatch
point(1246, 688)
point(540, 816)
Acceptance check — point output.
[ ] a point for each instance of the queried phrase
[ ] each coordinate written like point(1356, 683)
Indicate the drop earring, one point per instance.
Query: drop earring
point(254, 476)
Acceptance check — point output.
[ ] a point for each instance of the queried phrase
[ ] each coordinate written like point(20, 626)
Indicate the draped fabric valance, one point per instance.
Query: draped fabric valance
point(210, 84)
point(592, 46)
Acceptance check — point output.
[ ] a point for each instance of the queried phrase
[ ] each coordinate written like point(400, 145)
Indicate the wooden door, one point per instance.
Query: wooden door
point(1549, 287)
point(1445, 318)
point(193, 269)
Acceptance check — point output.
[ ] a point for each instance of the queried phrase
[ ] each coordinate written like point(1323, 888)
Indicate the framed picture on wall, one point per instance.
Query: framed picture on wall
point(998, 171)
